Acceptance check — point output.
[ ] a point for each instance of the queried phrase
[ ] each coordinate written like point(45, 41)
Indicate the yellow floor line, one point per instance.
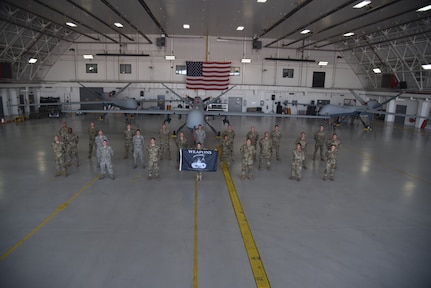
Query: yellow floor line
point(60, 208)
point(256, 264)
point(195, 245)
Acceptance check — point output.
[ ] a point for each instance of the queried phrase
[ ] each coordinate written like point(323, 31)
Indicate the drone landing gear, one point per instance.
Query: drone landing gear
point(167, 120)
point(366, 126)
point(225, 120)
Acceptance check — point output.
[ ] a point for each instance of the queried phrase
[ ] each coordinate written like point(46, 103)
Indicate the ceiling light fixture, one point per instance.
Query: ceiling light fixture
point(261, 1)
point(362, 4)
point(32, 60)
point(88, 56)
point(170, 57)
point(348, 34)
point(426, 66)
point(425, 8)
point(240, 28)
point(186, 26)
point(322, 63)
point(245, 60)
point(71, 24)
point(377, 70)
point(305, 31)
point(118, 25)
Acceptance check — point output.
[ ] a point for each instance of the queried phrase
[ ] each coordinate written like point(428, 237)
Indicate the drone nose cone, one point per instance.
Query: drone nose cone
point(372, 104)
point(323, 111)
point(195, 118)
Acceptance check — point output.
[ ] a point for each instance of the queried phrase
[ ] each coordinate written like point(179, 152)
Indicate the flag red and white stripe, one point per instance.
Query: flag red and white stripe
point(208, 75)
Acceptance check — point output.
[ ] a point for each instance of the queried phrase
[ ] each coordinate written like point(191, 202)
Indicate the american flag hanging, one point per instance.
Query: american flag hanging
point(208, 75)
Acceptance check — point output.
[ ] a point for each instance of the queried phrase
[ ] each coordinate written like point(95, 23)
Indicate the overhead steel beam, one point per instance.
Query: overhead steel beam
point(148, 10)
point(375, 9)
point(127, 20)
point(387, 40)
point(46, 19)
point(287, 16)
point(75, 20)
point(99, 19)
point(313, 21)
point(370, 24)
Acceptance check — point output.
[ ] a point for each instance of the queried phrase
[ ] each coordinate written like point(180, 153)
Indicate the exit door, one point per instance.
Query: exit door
point(21, 102)
point(161, 102)
point(235, 104)
point(1, 107)
point(400, 109)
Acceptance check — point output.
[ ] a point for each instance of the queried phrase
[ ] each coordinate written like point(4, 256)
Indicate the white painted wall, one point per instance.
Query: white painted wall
point(71, 66)
point(258, 81)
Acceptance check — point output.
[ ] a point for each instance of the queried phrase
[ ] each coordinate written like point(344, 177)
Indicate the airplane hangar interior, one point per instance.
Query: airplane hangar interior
point(349, 206)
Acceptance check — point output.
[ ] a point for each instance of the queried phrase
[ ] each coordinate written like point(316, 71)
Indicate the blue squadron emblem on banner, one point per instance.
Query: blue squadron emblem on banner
point(199, 161)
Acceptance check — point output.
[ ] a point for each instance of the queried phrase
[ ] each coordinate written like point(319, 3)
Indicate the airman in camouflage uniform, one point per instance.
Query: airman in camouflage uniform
point(320, 138)
point(63, 132)
point(225, 146)
point(265, 154)
point(181, 143)
point(199, 173)
point(153, 151)
point(59, 152)
point(331, 163)
point(73, 141)
point(276, 139)
point(297, 160)
point(164, 135)
point(248, 153)
point(231, 134)
point(253, 136)
point(334, 141)
point(138, 148)
point(99, 143)
point(128, 140)
point(200, 135)
point(92, 133)
point(106, 154)
point(303, 141)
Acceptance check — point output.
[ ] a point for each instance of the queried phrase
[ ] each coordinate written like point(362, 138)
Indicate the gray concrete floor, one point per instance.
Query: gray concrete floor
point(371, 227)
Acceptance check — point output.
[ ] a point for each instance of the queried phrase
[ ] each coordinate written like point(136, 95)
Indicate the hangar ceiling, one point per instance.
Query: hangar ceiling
point(388, 34)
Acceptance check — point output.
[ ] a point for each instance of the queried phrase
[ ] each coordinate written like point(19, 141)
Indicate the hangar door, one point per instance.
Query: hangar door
point(91, 94)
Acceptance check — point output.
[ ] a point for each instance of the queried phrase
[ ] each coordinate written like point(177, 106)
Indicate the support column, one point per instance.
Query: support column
point(423, 111)
point(391, 106)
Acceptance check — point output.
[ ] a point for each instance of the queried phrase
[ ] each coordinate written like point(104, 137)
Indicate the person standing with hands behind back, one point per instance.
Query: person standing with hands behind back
point(303, 141)
point(138, 149)
point(331, 163)
point(248, 153)
point(297, 161)
point(164, 135)
point(182, 143)
point(128, 140)
point(153, 151)
point(320, 138)
point(92, 133)
point(276, 139)
point(106, 154)
point(200, 135)
point(60, 153)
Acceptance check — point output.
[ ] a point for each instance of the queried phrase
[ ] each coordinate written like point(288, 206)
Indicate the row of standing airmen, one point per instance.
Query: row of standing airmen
point(65, 148)
point(270, 144)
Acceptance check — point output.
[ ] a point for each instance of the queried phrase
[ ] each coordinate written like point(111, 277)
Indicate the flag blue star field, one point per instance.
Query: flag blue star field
point(208, 75)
